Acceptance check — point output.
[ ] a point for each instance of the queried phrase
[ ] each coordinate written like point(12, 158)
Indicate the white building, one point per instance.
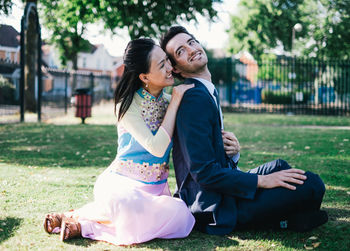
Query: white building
point(96, 60)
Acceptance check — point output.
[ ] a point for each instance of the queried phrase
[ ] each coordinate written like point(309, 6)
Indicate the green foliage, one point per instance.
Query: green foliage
point(151, 17)
point(267, 68)
point(331, 31)
point(7, 91)
point(282, 98)
point(67, 20)
point(5, 7)
point(4, 82)
point(220, 69)
point(276, 97)
point(263, 25)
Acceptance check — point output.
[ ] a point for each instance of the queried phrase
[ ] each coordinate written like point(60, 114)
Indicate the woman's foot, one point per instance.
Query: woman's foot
point(52, 223)
point(70, 228)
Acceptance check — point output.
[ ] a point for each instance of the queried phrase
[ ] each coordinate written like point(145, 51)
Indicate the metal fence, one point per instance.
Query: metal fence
point(283, 85)
point(9, 90)
point(57, 91)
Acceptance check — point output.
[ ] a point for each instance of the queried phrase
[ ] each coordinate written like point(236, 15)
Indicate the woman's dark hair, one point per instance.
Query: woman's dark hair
point(136, 61)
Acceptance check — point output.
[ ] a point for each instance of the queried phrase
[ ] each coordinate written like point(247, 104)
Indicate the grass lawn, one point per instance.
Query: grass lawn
point(52, 167)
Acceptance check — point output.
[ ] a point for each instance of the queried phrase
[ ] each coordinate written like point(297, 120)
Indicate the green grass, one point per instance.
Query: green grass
point(52, 168)
point(285, 120)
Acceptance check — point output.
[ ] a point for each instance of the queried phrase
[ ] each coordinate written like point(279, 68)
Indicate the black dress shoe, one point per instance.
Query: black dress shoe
point(306, 221)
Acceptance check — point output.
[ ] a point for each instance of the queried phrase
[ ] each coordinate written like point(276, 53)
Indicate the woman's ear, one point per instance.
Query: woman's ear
point(144, 78)
point(175, 70)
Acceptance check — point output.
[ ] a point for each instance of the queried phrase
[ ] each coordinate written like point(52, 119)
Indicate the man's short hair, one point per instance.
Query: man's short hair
point(172, 32)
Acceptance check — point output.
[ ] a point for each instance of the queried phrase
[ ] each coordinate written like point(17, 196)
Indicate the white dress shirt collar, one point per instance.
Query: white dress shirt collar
point(209, 85)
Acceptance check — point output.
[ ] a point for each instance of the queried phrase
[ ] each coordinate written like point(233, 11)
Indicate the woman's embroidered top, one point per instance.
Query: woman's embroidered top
point(143, 144)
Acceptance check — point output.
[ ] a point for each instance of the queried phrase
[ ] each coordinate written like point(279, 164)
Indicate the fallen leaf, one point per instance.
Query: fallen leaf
point(311, 244)
point(316, 244)
point(308, 247)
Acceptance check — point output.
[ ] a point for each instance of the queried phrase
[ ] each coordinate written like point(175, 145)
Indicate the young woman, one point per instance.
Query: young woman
point(132, 202)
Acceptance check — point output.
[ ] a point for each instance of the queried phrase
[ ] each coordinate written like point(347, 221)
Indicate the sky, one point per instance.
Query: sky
point(210, 34)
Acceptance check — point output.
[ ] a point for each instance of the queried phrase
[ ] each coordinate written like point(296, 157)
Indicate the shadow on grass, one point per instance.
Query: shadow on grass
point(286, 238)
point(58, 145)
point(8, 226)
point(331, 235)
point(195, 241)
point(337, 214)
point(80, 242)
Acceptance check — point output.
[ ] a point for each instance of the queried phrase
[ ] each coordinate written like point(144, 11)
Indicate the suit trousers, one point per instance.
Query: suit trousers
point(270, 206)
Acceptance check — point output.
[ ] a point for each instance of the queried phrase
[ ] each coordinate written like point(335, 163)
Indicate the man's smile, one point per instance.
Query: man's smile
point(195, 56)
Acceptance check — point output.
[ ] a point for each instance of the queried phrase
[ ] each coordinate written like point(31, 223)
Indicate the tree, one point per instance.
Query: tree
point(332, 37)
point(151, 17)
point(263, 25)
point(67, 19)
point(5, 7)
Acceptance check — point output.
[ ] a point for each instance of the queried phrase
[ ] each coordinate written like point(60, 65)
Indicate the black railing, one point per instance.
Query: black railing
point(283, 85)
point(60, 85)
point(58, 88)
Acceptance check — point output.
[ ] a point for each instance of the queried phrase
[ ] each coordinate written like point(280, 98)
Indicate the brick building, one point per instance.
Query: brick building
point(9, 43)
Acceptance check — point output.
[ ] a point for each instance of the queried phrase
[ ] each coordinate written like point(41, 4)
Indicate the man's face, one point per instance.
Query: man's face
point(188, 54)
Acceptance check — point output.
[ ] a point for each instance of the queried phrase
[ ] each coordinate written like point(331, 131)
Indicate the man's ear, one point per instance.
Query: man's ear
point(144, 78)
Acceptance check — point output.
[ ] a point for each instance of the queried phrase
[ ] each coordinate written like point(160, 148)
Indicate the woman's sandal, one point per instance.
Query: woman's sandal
point(70, 228)
point(52, 223)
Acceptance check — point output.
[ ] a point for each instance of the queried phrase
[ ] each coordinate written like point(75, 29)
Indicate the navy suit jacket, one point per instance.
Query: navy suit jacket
point(206, 179)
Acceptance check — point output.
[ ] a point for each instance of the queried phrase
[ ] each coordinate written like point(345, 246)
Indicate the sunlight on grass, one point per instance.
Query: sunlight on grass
point(52, 166)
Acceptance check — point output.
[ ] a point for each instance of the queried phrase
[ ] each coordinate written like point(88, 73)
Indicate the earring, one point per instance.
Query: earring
point(146, 85)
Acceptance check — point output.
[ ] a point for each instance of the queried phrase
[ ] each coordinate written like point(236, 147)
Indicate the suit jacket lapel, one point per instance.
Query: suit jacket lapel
point(199, 84)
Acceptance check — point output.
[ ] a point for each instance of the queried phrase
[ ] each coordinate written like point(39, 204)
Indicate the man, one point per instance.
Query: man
point(221, 197)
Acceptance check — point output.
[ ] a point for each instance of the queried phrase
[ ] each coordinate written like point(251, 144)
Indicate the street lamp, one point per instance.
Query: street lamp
point(298, 95)
point(296, 28)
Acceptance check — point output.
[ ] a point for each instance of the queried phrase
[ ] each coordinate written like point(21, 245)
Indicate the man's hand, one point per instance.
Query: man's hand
point(231, 144)
point(280, 179)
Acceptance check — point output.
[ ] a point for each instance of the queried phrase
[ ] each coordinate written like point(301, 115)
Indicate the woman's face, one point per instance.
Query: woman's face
point(159, 75)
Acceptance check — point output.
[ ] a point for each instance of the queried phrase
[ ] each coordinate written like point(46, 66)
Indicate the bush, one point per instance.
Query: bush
point(7, 92)
point(276, 97)
point(284, 98)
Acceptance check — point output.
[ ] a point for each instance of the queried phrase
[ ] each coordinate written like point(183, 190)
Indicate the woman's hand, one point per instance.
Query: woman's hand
point(178, 92)
point(170, 116)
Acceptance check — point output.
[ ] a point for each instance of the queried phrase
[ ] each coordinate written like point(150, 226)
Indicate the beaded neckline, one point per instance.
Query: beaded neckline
point(152, 109)
point(148, 96)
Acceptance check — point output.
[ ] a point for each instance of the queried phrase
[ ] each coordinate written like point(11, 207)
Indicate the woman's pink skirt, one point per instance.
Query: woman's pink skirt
point(125, 211)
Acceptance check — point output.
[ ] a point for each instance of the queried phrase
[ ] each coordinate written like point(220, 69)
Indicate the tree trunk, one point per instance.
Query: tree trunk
point(30, 69)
